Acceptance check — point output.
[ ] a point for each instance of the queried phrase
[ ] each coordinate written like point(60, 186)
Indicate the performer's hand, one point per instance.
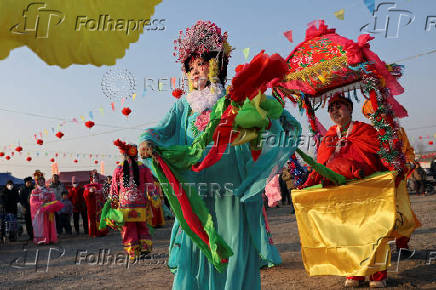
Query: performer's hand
point(146, 149)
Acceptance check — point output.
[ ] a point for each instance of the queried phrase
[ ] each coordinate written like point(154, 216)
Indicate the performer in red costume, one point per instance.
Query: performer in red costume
point(131, 183)
point(94, 198)
point(349, 148)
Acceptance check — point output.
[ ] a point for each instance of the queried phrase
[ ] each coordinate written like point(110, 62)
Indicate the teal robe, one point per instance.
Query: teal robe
point(232, 191)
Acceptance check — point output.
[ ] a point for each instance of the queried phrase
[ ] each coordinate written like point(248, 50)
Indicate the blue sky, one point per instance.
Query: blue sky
point(27, 84)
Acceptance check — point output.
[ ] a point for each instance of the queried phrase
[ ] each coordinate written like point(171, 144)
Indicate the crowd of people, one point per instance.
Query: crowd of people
point(54, 209)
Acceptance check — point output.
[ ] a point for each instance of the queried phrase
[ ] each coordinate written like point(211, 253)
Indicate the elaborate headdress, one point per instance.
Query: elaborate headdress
point(126, 149)
point(38, 174)
point(204, 39)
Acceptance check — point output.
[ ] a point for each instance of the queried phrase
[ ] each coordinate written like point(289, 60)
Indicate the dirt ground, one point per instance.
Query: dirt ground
point(74, 261)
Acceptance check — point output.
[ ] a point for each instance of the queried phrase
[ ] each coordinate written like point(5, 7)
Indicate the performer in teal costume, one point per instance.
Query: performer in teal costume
point(231, 189)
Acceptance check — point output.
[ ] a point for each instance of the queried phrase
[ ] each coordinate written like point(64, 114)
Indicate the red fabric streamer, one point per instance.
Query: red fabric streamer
point(191, 218)
point(253, 77)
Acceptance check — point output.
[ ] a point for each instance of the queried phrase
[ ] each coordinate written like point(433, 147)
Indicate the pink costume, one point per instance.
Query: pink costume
point(132, 201)
point(43, 205)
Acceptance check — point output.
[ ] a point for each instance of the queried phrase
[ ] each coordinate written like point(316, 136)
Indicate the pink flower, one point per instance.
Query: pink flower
point(202, 120)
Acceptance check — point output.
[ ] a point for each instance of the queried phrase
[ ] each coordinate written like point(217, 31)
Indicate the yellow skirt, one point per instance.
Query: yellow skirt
point(346, 230)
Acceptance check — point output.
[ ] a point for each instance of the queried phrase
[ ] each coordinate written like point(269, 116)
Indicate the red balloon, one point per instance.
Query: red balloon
point(59, 134)
point(39, 142)
point(19, 149)
point(177, 93)
point(89, 124)
point(28, 159)
point(126, 111)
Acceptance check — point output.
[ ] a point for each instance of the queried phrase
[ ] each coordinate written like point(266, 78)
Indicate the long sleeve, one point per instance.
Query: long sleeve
point(166, 133)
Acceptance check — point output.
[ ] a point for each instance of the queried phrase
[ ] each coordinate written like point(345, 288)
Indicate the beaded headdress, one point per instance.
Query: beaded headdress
point(203, 37)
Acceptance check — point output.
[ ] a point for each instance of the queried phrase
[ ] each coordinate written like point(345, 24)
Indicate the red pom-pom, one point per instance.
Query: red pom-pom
point(19, 149)
point(39, 142)
point(28, 159)
point(177, 93)
point(89, 124)
point(52, 160)
point(59, 134)
point(126, 111)
point(7, 157)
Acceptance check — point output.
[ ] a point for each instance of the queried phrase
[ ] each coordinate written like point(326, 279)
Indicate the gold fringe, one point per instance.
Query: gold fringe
point(327, 66)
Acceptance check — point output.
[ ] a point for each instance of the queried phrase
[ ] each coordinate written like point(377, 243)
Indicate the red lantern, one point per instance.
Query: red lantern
point(2, 154)
point(177, 93)
point(19, 149)
point(56, 155)
point(52, 160)
point(75, 161)
point(28, 159)
point(420, 137)
point(89, 124)
point(96, 162)
point(59, 135)
point(117, 162)
point(126, 111)
point(8, 158)
point(39, 142)
point(430, 142)
point(12, 153)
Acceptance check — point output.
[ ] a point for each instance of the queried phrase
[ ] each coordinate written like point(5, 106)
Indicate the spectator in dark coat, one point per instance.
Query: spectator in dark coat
point(10, 198)
point(25, 192)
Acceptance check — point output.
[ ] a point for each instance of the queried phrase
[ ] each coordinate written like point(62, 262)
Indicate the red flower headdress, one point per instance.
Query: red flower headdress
point(126, 149)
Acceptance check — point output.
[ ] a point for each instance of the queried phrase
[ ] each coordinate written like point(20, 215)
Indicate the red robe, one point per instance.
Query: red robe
point(94, 203)
point(357, 157)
